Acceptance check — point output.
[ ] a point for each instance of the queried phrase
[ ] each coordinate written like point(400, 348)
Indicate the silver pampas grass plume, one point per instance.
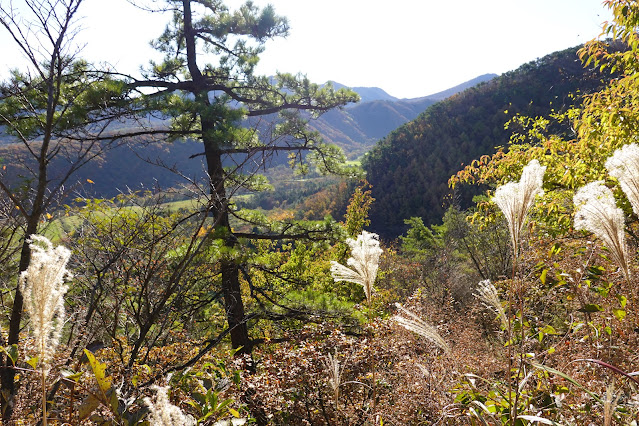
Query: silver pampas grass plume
point(163, 413)
point(597, 212)
point(516, 198)
point(42, 286)
point(335, 371)
point(364, 262)
point(487, 293)
point(412, 322)
point(624, 165)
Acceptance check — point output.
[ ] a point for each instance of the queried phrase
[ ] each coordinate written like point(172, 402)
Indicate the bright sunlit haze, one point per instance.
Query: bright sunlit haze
point(408, 48)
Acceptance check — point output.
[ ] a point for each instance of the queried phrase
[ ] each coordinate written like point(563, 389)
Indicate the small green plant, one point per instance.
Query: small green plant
point(106, 395)
point(205, 387)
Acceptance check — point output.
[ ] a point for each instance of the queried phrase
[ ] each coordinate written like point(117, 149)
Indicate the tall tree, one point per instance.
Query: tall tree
point(206, 84)
point(58, 112)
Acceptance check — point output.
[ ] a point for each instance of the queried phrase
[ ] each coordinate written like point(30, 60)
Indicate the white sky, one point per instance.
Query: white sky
point(409, 48)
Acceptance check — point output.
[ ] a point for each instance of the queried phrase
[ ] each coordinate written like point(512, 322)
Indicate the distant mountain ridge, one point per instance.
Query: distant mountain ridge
point(357, 127)
point(368, 94)
point(440, 96)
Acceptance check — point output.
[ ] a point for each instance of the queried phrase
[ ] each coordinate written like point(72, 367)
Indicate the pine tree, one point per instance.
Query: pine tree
point(213, 102)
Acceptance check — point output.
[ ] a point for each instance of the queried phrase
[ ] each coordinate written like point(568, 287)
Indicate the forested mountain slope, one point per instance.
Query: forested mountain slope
point(144, 166)
point(357, 127)
point(410, 168)
point(136, 166)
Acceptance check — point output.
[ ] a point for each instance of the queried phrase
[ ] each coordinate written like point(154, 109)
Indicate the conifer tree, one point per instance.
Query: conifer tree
point(206, 85)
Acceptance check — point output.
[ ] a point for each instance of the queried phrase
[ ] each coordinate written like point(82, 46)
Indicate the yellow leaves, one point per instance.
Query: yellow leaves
point(108, 394)
point(203, 231)
point(90, 181)
point(99, 371)
point(282, 214)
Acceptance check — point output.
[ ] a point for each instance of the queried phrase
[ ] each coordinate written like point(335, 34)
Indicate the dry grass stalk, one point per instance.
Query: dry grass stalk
point(487, 293)
point(516, 198)
point(597, 212)
point(419, 326)
point(624, 165)
point(610, 404)
point(43, 289)
point(364, 261)
point(334, 374)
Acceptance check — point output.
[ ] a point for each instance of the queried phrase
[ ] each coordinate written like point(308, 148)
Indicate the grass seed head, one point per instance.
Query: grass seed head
point(364, 262)
point(624, 165)
point(597, 212)
point(412, 322)
point(516, 198)
point(43, 288)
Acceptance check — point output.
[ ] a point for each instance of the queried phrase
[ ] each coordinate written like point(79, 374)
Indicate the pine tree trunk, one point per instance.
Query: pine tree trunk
point(231, 289)
point(234, 307)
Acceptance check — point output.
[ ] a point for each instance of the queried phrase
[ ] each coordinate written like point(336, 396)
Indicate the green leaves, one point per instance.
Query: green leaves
point(236, 37)
point(591, 307)
point(543, 276)
point(83, 96)
point(206, 385)
point(12, 353)
point(620, 314)
point(210, 405)
point(419, 238)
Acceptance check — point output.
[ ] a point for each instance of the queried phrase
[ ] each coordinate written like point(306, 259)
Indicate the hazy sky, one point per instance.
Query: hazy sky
point(409, 48)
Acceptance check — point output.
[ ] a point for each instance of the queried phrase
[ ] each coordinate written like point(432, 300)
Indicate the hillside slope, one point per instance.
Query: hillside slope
point(357, 127)
point(410, 168)
point(136, 166)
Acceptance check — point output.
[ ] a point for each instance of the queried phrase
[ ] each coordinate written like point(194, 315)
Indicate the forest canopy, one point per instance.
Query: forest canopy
point(410, 168)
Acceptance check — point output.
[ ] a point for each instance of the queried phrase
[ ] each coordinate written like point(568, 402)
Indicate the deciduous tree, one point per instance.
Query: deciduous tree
point(58, 111)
